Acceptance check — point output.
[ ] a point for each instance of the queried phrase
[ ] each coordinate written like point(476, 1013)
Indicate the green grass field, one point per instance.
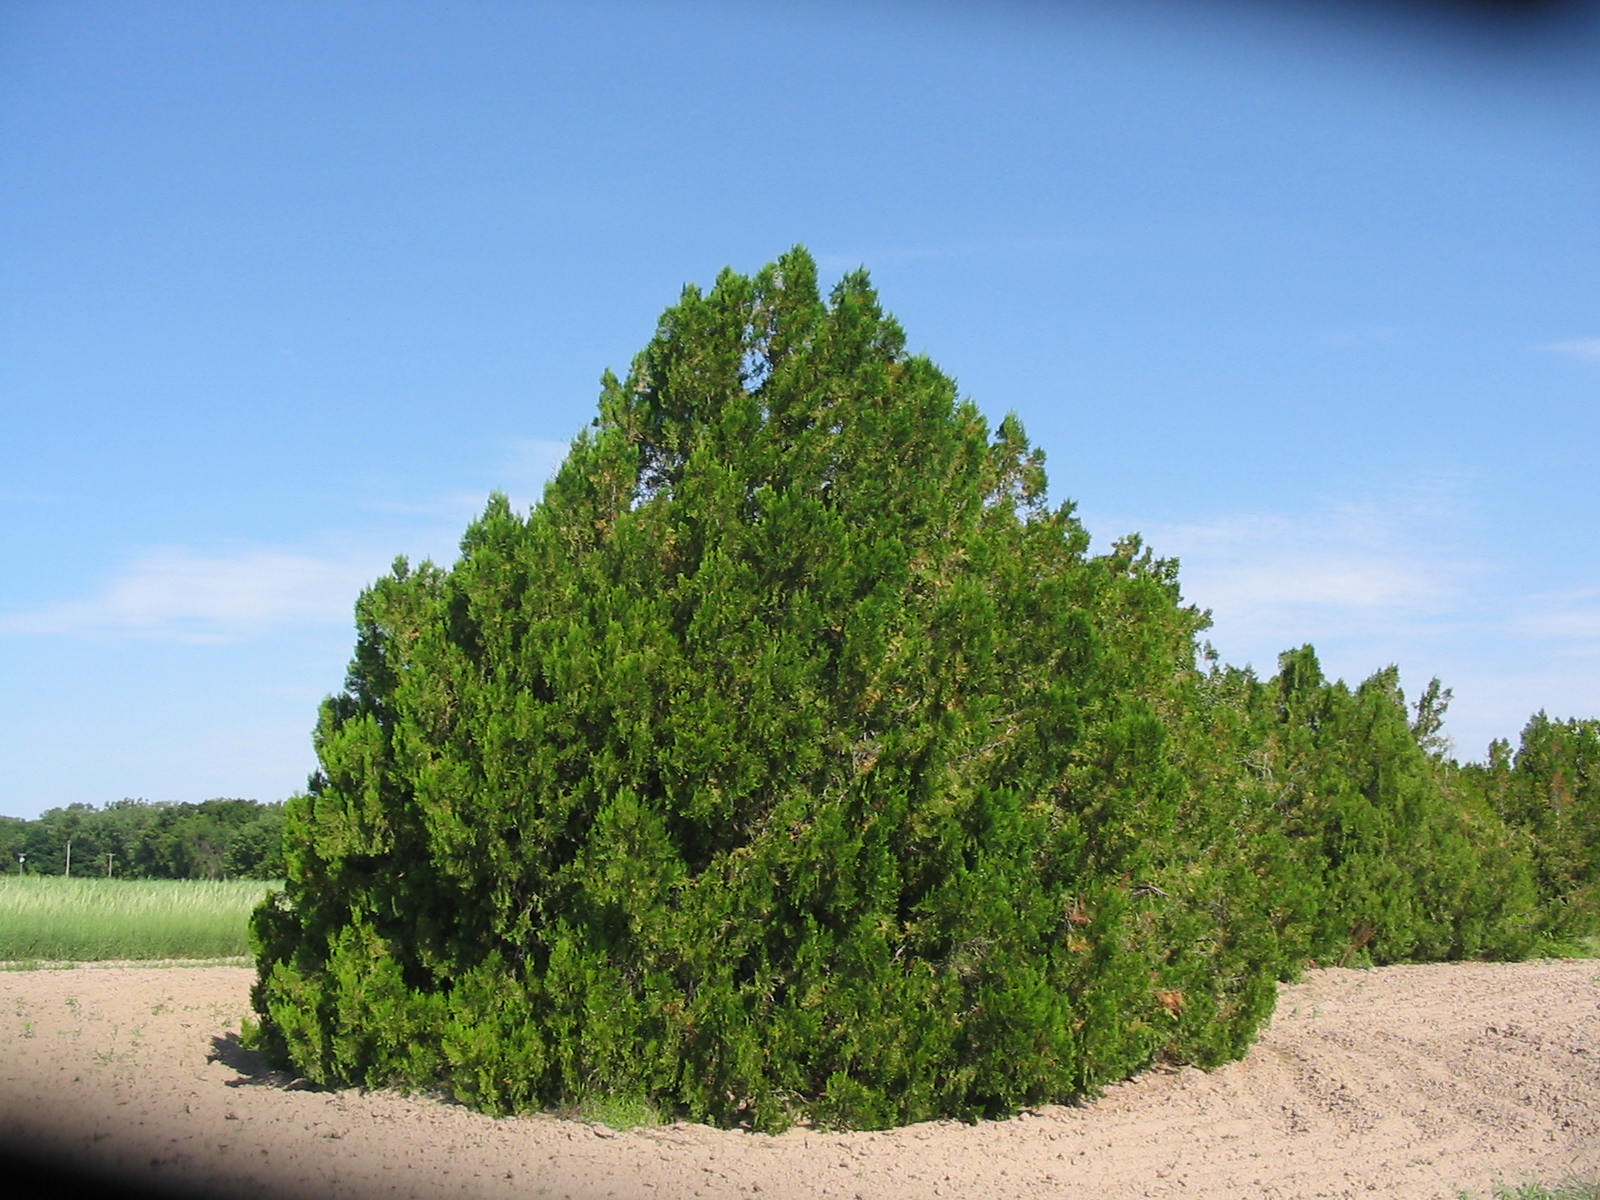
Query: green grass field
point(46, 918)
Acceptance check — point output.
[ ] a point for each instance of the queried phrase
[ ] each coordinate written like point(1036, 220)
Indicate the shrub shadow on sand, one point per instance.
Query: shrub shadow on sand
point(253, 1068)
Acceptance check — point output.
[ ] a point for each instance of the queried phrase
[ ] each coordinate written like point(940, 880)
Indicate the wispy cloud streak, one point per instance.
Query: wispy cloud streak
point(1585, 348)
point(1343, 570)
point(1572, 615)
point(179, 594)
point(1394, 580)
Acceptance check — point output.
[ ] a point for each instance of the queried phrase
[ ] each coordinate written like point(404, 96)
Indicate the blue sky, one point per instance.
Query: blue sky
point(287, 289)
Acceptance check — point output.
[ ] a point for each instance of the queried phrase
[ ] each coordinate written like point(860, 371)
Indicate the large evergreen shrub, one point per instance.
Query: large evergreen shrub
point(792, 759)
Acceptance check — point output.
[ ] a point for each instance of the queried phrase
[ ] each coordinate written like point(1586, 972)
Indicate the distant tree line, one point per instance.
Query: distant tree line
point(141, 839)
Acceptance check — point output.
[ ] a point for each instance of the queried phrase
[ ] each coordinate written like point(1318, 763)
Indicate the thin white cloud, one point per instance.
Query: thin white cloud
point(1497, 702)
point(1391, 581)
point(526, 464)
point(1586, 348)
point(1339, 571)
point(838, 262)
point(1360, 336)
point(1572, 616)
point(179, 594)
point(454, 508)
point(521, 468)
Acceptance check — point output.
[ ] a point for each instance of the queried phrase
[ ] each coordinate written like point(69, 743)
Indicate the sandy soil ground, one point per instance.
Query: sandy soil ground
point(1400, 1082)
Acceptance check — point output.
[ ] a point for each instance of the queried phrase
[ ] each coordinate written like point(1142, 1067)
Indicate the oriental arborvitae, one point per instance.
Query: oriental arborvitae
point(792, 759)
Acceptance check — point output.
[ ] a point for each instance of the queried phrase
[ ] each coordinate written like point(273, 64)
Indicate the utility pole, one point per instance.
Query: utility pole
point(69, 858)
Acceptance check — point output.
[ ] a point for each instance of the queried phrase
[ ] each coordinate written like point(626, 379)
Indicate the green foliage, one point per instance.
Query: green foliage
point(1549, 793)
point(791, 759)
point(1396, 858)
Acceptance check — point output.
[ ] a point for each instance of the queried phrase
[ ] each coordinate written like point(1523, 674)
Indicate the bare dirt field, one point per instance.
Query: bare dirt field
point(1399, 1082)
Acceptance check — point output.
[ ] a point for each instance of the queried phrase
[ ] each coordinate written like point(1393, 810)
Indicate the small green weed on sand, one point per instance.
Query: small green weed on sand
point(1575, 1189)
